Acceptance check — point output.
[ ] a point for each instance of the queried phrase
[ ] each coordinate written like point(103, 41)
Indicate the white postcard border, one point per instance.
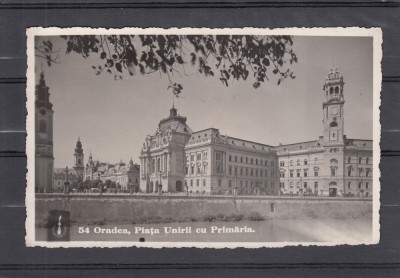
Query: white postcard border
point(375, 33)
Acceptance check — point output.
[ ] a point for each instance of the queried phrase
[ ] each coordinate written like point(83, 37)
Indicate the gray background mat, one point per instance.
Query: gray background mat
point(382, 260)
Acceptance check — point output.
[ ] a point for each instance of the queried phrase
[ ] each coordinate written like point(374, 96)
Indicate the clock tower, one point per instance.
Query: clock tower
point(333, 119)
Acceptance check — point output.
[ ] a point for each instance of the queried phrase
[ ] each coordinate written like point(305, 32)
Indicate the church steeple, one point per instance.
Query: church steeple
point(43, 136)
point(78, 155)
point(42, 94)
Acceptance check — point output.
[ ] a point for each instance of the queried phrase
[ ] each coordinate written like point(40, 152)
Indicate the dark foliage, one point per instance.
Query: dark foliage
point(226, 57)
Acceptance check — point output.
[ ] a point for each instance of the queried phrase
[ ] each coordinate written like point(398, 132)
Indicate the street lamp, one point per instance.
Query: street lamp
point(99, 186)
point(235, 188)
point(66, 183)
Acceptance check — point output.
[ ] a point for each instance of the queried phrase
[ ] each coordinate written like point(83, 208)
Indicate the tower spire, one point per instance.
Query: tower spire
point(42, 82)
point(173, 111)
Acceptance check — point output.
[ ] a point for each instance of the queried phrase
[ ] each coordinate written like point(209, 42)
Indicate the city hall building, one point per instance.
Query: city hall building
point(332, 165)
point(176, 159)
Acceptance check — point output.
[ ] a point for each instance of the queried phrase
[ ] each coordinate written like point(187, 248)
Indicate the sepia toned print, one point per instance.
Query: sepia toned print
point(203, 138)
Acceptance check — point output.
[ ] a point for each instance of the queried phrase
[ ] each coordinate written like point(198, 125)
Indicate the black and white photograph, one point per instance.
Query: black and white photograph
point(211, 138)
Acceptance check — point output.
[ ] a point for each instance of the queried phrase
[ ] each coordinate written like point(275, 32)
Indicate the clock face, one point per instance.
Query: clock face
point(334, 110)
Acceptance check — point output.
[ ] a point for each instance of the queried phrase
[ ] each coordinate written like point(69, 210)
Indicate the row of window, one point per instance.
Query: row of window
point(156, 165)
point(305, 161)
point(305, 185)
point(199, 169)
point(251, 184)
point(298, 162)
point(231, 183)
point(191, 157)
point(361, 172)
point(360, 160)
point(298, 173)
point(359, 185)
point(197, 183)
point(250, 160)
point(244, 171)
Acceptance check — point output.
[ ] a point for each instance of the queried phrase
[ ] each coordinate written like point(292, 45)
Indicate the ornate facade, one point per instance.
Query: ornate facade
point(44, 159)
point(163, 156)
point(175, 159)
point(333, 165)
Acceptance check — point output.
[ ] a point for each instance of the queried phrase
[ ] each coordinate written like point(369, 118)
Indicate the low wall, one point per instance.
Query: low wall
point(91, 208)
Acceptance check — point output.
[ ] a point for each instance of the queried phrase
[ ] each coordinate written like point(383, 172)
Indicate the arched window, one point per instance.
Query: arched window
point(332, 183)
point(42, 126)
point(316, 160)
point(298, 162)
point(331, 91)
point(333, 124)
point(305, 162)
point(336, 90)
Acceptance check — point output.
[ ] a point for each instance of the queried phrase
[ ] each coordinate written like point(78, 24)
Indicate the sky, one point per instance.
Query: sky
point(112, 118)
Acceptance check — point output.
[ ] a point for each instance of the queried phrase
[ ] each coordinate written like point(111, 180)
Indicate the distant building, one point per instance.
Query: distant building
point(94, 169)
point(122, 174)
point(333, 165)
point(60, 177)
point(125, 175)
point(175, 159)
point(44, 159)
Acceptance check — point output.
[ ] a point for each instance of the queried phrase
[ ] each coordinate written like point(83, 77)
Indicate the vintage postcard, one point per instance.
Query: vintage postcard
point(208, 138)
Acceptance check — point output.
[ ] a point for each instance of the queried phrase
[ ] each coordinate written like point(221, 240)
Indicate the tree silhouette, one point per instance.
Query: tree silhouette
point(227, 57)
